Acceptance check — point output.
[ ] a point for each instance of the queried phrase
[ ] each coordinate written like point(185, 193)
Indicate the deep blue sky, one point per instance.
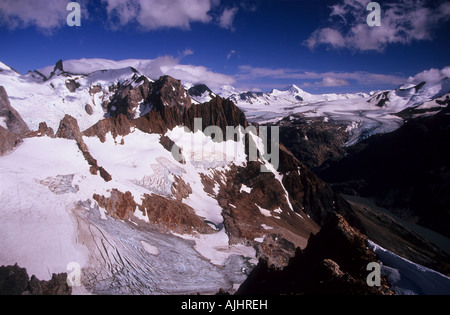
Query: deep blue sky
point(262, 46)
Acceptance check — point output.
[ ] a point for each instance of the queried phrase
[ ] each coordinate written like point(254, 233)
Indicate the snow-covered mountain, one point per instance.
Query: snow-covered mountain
point(288, 96)
point(111, 170)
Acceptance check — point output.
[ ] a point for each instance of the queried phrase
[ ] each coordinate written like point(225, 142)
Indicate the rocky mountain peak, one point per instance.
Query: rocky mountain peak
point(58, 69)
point(59, 66)
point(139, 97)
point(167, 91)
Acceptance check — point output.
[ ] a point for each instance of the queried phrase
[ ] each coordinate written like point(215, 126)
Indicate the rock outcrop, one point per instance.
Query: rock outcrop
point(136, 101)
point(14, 122)
point(69, 129)
point(333, 263)
point(15, 281)
point(312, 140)
point(42, 131)
point(12, 126)
point(164, 213)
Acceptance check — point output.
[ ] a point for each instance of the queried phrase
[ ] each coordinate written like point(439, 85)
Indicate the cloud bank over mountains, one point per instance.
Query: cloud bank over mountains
point(402, 22)
point(147, 15)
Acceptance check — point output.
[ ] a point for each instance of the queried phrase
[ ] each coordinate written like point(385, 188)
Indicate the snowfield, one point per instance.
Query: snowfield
point(50, 219)
point(408, 278)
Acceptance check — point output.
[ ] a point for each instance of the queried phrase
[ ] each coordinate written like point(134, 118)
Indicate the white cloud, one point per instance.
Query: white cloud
point(154, 14)
point(432, 75)
point(327, 78)
point(401, 22)
point(325, 36)
point(231, 53)
point(197, 74)
point(332, 82)
point(45, 15)
point(227, 18)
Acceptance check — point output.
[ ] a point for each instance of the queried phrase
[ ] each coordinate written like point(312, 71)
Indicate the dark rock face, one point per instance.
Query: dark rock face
point(119, 205)
point(173, 215)
point(163, 93)
point(380, 99)
point(88, 109)
point(169, 92)
point(126, 99)
point(118, 126)
point(8, 141)
point(58, 69)
point(313, 140)
point(407, 171)
point(217, 112)
point(244, 220)
point(198, 90)
point(334, 262)
point(11, 136)
point(14, 122)
point(69, 129)
point(15, 281)
point(72, 85)
point(167, 214)
point(42, 131)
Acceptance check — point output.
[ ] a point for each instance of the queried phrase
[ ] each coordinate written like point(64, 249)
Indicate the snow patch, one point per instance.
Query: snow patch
point(406, 277)
point(264, 212)
point(153, 250)
point(3, 122)
point(247, 189)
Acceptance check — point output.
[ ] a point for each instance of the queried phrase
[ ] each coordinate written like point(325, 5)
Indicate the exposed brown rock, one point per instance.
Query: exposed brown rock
point(180, 189)
point(312, 140)
point(72, 85)
point(8, 141)
point(263, 214)
point(118, 126)
point(89, 110)
point(169, 92)
point(173, 215)
point(165, 213)
point(119, 205)
point(217, 112)
point(95, 89)
point(334, 262)
point(126, 99)
point(69, 129)
point(42, 131)
point(13, 120)
point(15, 281)
point(11, 136)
